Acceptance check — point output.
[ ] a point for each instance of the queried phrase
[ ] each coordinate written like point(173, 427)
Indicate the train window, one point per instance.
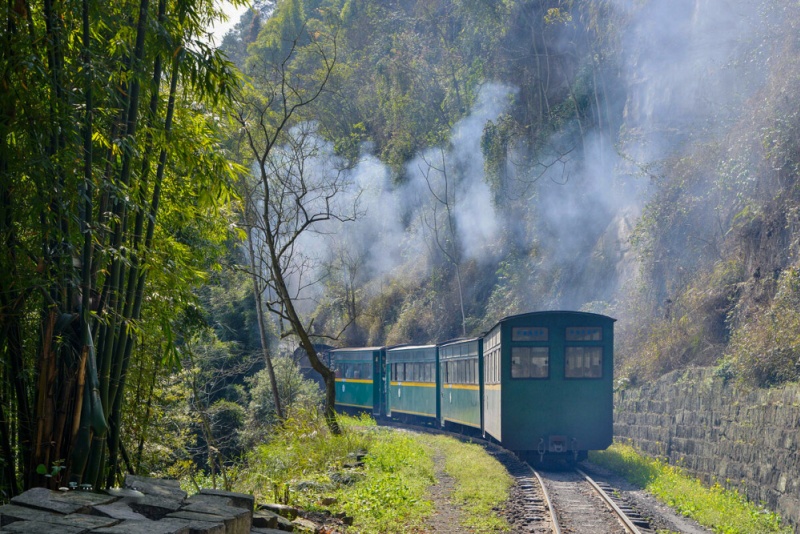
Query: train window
point(529, 333)
point(530, 362)
point(583, 362)
point(584, 333)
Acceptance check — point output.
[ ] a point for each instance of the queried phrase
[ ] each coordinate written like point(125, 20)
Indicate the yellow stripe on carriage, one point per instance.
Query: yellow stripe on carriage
point(415, 384)
point(353, 405)
point(473, 387)
point(354, 380)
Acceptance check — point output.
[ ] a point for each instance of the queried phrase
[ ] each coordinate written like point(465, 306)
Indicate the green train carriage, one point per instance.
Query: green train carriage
point(548, 383)
point(460, 386)
point(411, 376)
point(359, 379)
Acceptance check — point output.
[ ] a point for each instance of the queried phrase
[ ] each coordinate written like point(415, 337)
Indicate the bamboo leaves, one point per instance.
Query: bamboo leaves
point(109, 159)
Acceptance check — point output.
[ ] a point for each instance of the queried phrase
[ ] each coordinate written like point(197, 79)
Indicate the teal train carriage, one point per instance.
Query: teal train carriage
point(359, 384)
point(548, 383)
point(460, 385)
point(411, 377)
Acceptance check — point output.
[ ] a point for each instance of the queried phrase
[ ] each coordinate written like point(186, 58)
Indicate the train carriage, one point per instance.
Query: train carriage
point(411, 377)
point(460, 385)
point(549, 381)
point(359, 384)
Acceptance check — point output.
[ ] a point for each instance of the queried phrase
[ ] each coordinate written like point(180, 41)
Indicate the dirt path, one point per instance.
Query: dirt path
point(446, 516)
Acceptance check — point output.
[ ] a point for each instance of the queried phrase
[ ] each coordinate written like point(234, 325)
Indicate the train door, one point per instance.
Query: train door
point(379, 380)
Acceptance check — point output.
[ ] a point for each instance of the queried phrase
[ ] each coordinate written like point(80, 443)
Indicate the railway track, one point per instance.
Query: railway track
point(565, 501)
point(579, 504)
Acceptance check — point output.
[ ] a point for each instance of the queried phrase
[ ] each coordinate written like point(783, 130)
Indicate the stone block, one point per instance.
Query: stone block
point(241, 500)
point(170, 489)
point(283, 510)
point(224, 525)
point(306, 526)
point(88, 521)
point(11, 513)
point(266, 531)
point(61, 502)
point(165, 526)
point(40, 527)
point(203, 523)
point(237, 520)
point(265, 519)
point(117, 510)
point(153, 507)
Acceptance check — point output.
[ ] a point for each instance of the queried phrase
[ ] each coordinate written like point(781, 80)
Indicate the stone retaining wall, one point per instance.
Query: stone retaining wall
point(720, 432)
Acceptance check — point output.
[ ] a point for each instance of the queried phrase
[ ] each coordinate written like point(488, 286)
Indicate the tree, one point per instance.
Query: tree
point(443, 189)
point(93, 170)
point(292, 197)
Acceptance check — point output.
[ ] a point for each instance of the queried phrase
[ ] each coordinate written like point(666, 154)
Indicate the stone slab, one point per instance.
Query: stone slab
point(206, 518)
point(11, 513)
point(156, 487)
point(165, 526)
point(289, 512)
point(68, 502)
point(265, 519)
point(241, 500)
point(305, 525)
point(237, 520)
point(88, 521)
point(117, 510)
point(266, 531)
point(40, 527)
point(153, 507)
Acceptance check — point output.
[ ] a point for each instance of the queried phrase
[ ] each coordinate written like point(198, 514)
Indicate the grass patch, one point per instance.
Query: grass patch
point(724, 511)
point(303, 465)
point(482, 483)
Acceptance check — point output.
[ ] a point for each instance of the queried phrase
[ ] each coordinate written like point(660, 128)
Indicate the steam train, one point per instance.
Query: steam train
point(538, 383)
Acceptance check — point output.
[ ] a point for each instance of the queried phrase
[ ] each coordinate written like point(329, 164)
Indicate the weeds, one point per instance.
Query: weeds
point(724, 511)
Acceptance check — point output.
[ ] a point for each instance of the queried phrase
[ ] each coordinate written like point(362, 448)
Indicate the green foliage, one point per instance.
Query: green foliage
point(765, 350)
point(297, 396)
point(302, 455)
point(725, 511)
point(694, 328)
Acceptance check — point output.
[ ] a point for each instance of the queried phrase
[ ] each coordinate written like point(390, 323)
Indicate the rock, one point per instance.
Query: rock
point(117, 510)
point(165, 526)
point(236, 520)
point(203, 523)
point(169, 489)
point(40, 527)
point(304, 525)
point(283, 510)
point(153, 507)
point(265, 519)
point(329, 501)
point(87, 521)
point(11, 513)
point(241, 500)
point(124, 492)
point(266, 531)
point(60, 502)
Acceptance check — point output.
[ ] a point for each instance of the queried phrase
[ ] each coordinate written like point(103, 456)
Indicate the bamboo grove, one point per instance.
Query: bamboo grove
point(110, 165)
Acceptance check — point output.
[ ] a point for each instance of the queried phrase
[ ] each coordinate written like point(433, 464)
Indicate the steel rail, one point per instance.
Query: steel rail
point(553, 518)
point(622, 516)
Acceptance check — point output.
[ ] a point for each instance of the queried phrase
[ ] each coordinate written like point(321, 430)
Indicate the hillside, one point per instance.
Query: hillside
point(636, 160)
